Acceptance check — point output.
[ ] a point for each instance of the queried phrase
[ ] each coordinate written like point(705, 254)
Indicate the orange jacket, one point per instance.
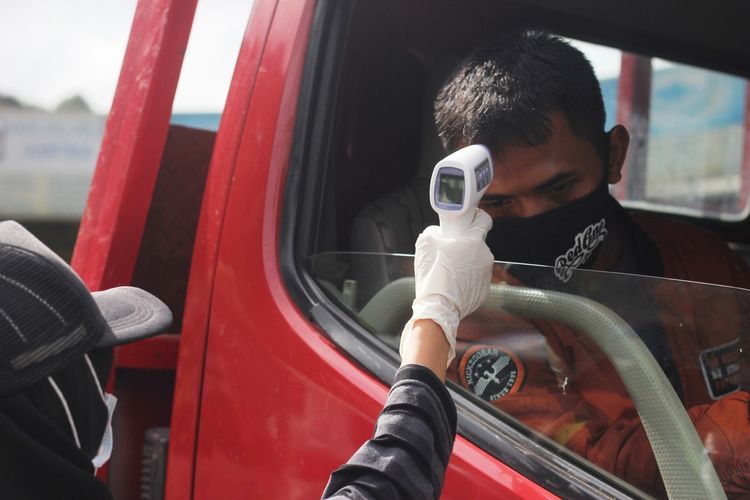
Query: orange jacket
point(560, 383)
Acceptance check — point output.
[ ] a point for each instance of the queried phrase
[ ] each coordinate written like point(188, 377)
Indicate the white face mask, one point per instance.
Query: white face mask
point(105, 447)
point(110, 401)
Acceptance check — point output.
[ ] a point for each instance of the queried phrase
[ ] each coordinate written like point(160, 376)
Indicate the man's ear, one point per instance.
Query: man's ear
point(619, 138)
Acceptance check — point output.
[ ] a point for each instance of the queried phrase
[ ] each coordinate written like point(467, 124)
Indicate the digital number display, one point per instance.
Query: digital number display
point(451, 189)
point(482, 174)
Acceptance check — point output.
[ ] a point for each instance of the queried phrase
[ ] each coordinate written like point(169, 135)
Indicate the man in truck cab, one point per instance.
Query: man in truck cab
point(535, 102)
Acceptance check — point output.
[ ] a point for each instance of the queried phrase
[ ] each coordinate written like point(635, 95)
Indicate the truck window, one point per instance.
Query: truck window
point(697, 134)
point(688, 133)
point(358, 199)
point(557, 380)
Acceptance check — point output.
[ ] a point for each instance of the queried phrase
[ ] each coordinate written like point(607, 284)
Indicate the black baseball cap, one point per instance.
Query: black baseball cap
point(48, 317)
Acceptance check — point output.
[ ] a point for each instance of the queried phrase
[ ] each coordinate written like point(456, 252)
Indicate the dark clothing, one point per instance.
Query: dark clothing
point(409, 451)
point(640, 255)
point(39, 458)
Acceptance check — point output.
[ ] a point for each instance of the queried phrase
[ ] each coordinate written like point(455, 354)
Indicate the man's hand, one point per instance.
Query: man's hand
point(452, 277)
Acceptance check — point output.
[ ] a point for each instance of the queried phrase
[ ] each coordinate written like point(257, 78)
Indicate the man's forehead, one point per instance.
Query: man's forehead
point(518, 168)
point(517, 179)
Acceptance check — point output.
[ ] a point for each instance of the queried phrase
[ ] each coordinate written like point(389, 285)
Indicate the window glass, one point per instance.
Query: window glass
point(687, 133)
point(695, 140)
point(547, 377)
point(569, 358)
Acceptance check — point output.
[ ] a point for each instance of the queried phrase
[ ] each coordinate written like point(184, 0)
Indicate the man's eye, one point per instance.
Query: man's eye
point(496, 203)
point(497, 207)
point(558, 188)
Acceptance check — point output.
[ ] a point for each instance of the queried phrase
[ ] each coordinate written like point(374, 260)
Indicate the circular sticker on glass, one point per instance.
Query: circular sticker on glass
point(491, 372)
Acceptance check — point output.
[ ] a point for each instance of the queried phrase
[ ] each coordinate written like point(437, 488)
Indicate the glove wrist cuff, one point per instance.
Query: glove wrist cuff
point(441, 313)
point(437, 309)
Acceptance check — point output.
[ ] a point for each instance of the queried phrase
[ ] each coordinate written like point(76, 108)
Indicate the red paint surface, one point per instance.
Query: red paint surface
point(120, 193)
point(156, 353)
point(112, 223)
point(186, 404)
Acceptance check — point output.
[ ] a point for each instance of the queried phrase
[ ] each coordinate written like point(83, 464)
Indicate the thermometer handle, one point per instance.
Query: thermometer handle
point(453, 226)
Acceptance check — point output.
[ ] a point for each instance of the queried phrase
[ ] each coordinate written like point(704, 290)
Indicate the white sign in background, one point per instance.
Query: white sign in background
point(46, 163)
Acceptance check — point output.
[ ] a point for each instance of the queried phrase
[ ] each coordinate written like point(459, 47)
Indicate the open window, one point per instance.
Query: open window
point(357, 199)
point(689, 133)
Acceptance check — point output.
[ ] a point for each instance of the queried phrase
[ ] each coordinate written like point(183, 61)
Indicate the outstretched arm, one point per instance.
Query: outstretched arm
point(413, 439)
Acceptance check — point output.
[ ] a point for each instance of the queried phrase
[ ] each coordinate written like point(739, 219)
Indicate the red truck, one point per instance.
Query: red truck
point(272, 376)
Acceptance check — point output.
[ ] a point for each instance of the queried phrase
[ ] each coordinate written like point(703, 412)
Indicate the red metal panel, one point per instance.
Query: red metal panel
point(281, 407)
point(156, 353)
point(633, 105)
point(112, 223)
point(186, 403)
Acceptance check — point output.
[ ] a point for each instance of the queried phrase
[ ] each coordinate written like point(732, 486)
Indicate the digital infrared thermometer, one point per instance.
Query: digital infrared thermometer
point(458, 183)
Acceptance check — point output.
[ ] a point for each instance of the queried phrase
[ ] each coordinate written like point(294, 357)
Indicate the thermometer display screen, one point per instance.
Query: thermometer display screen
point(451, 189)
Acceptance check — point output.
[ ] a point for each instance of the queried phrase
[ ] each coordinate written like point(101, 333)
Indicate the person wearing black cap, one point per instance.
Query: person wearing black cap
point(55, 418)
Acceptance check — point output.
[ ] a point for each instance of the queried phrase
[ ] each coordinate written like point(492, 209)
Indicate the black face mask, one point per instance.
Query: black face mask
point(567, 237)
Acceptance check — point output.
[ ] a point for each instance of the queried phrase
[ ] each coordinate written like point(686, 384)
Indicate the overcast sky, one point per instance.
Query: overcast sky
point(53, 49)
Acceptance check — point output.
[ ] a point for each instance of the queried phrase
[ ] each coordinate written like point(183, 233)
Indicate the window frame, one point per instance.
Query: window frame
point(735, 229)
point(632, 87)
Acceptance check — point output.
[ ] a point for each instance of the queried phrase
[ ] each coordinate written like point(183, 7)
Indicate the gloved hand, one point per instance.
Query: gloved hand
point(452, 277)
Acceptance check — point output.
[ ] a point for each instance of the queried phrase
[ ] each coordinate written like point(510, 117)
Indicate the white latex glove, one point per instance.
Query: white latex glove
point(452, 277)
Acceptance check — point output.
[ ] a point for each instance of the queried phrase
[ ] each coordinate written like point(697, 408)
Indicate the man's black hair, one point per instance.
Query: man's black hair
point(503, 93)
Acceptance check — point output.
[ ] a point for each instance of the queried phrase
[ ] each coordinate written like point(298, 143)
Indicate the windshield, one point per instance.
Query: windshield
point(568, 382)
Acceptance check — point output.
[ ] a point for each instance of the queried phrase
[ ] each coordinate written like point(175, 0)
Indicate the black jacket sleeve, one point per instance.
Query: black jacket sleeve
point(409, 452)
